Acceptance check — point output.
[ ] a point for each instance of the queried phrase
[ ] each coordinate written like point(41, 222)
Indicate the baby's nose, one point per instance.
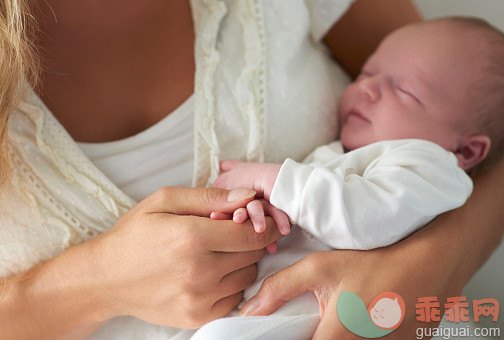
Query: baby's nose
point(371, 88)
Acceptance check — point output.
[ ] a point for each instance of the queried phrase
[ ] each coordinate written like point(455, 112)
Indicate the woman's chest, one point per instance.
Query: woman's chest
point(110, 69)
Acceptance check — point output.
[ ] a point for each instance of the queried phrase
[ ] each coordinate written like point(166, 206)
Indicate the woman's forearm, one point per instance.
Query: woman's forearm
point(469, 235)
point(56, 299)
point(152, 265)
point(356, 35)
point(481, 220)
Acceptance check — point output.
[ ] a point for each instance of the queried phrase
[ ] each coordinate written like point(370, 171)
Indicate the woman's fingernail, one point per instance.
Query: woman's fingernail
point(240, 194)
point(250, 307)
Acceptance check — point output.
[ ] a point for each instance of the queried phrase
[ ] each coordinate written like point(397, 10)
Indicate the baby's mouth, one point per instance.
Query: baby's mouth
point(355, 114)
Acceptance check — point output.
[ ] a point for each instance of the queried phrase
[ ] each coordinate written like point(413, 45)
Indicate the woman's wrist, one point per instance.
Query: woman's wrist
point(81, 280)
point(55, 299)
point(479, 221)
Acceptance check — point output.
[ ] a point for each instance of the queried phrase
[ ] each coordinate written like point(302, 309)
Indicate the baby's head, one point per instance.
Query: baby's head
point(441, 81)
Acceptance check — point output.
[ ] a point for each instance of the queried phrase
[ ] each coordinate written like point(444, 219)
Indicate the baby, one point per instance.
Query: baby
point(427, 107)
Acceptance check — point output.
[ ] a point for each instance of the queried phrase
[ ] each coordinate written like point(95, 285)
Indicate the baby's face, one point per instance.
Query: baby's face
point(415, 85)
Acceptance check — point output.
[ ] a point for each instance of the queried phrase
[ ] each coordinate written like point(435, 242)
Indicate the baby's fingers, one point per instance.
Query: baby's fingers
point(240, 215)
point(281, 218)
point(256, 213)
point(272, 248)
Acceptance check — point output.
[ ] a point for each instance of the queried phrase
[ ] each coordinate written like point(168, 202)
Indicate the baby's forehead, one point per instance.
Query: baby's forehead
point(436, 48)
point(436, 34)
point(456, 33)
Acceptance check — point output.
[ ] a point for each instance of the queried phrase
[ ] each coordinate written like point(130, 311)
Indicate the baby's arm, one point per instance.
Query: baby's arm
point(373, 196)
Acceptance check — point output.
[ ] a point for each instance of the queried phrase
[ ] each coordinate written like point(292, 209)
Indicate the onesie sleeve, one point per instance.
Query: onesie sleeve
point(324, 13)
point(373, 196)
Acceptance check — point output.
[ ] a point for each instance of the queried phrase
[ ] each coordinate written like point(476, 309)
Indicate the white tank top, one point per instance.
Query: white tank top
point(162, 155)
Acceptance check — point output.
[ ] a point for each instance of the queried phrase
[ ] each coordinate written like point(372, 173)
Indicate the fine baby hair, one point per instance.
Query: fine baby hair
point(487, 95)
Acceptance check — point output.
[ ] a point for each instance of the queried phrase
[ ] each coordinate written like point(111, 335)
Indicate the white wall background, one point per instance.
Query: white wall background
point(489, 281)
point(491, 10)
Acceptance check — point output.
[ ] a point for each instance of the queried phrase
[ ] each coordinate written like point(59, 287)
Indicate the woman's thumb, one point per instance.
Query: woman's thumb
point(224, 201)
point(278, 289)
point(198, 201)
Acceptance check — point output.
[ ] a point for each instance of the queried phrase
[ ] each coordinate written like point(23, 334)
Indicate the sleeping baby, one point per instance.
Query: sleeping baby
point(422, 114)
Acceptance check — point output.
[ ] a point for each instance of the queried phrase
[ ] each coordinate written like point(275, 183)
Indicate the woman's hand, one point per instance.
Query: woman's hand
point(160, 262)
point(165, 263)
point(419, 266)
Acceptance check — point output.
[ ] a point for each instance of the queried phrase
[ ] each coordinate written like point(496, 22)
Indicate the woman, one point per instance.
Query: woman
point(124, 59)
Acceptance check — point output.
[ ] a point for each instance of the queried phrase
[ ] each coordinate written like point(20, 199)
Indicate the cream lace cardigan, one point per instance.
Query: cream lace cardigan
point(265, 89)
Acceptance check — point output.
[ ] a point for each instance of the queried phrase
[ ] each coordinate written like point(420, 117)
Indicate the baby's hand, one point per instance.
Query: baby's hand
point(260, 177)
point(257, 210)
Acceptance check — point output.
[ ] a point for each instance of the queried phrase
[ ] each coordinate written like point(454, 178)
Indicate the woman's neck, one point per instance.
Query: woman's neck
point(113, 68)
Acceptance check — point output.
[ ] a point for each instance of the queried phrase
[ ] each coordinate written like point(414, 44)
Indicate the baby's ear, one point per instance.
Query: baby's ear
point(472, 151)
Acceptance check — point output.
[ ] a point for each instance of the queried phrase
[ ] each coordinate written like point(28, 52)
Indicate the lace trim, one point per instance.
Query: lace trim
point(83, 231)
point(206, 146)
point(54, 141)
point(251, 93)
point(36, 224)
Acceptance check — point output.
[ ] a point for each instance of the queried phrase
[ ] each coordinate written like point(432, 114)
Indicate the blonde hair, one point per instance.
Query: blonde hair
point(18, 63)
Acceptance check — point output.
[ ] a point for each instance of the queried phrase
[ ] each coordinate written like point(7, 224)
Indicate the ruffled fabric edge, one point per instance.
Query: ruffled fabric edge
point(251, 94)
